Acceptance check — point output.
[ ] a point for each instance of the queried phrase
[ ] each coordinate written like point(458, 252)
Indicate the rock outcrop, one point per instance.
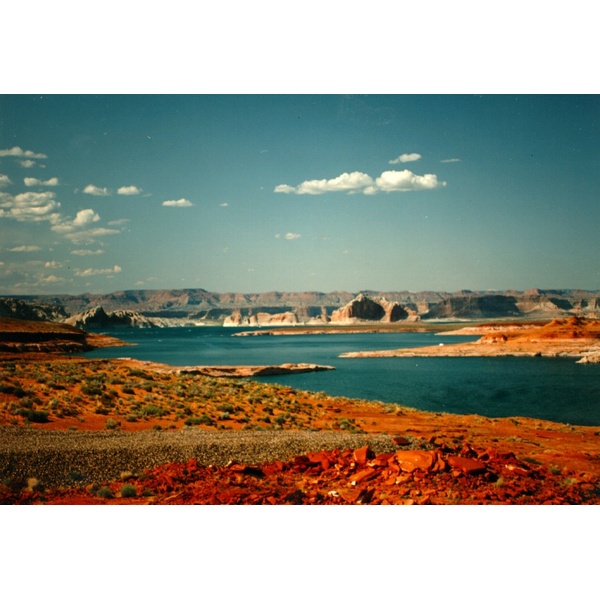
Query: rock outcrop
point(18, 309)
point(98, 318)
point(365, 308)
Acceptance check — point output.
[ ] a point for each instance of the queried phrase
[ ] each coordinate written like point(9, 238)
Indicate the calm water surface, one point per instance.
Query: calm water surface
point(554, 389)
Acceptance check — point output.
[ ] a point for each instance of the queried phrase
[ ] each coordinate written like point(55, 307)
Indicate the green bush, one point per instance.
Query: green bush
point(128, 491)
point(33, 416)
point(104, 492)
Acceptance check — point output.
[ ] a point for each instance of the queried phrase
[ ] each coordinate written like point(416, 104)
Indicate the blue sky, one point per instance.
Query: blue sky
point(254, 193)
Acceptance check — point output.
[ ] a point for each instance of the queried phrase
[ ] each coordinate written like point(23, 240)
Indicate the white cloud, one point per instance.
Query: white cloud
point(93, 272)
point(129, 190)
point(51, 279)
point(406, 181)
point(346, 182)
point(357, 182)
point(31, 181)
point(182, 202)
point(95, 190)
point(52, 264)
point(451, 160)
point(83, 218)
point(4, 180)
point(86, 252)
point(19, 152)
point(404, 158)
point(87, 236)
point(24, 249)
point(288, 236)
point(30, 206)
point(27, 163)
point(224, 204)
point(284, 189)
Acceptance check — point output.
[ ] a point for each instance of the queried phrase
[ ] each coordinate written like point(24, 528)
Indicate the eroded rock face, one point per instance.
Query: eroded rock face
point(365, 308)
point(98, 318)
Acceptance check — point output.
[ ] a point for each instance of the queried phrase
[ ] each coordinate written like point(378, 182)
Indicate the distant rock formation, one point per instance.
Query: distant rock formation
point(260, 319)
point(18, 309)
point(189, 307)
point(365, 308)
point(98, 318)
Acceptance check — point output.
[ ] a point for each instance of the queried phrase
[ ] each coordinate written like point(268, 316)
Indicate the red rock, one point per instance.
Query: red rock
point(401, 441)
point(468, 466)
point(360, 455)
point(410, 460)
point(363, 475)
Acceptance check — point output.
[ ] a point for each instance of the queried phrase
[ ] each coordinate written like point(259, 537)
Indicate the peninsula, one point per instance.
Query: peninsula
point(572, 337)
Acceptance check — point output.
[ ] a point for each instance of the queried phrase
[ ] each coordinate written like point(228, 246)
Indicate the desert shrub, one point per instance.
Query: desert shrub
point(26, 402)
point(226, 407)
point(105, 492)
point(154, 411)
point(111, 424)
point(33, 416)
point(202, 420)
point(14, 390)
point(224, 416)
point(91, 389)
point(127, 389)
point(128, 491)
point(141, 374)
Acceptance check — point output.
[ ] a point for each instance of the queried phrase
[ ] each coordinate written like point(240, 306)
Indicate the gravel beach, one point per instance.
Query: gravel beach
point(68, 458)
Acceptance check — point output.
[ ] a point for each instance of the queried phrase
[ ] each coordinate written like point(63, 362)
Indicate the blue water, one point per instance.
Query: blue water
point(555, 389)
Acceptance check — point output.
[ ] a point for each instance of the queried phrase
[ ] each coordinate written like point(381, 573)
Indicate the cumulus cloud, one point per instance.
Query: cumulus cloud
point(4, 180)
point(288, 236)
point(93, 272)
point(20, 153)
point(95, 190)
point(284, 189)
point(224, 204)
point(52, 264)
point(32, 181)
point(451, 160)
point(30, 206)
point(129, 190)
point(77, 230)
point(83, 218)
point(406, 181)
point(27, 163)
point(86, 252)
point(404, 158)
point(24, 249)
point(357, 182)
point(346, 182)
point(182, 203)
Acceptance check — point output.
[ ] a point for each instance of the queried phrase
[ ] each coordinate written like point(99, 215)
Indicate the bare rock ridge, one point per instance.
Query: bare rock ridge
point(98, 318)
point(188, 307)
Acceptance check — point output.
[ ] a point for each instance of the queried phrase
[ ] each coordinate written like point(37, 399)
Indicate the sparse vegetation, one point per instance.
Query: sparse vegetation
point(128, 491)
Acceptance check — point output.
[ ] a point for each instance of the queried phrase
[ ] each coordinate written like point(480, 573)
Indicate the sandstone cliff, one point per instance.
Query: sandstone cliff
point(98, 318)
point(365, 308)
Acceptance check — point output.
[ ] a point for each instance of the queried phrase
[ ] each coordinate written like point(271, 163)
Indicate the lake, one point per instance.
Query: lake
point(554, 389)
